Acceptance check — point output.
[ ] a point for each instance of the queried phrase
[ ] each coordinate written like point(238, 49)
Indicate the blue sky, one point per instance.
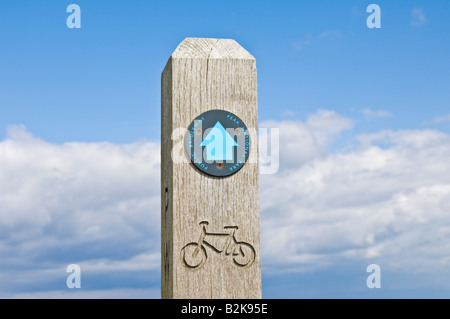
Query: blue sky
point(367, 110)
point(101, 82)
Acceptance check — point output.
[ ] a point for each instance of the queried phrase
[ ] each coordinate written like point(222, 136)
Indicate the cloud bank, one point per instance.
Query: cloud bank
point(385, 200)
point(94, 204)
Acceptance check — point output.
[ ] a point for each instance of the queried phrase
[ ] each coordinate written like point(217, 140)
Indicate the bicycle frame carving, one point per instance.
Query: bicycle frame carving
point(194, 254)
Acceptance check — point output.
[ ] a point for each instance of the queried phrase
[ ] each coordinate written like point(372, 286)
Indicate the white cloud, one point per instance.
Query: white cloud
point(300, 45)
point(330, 33)
point(415, 139)
point(288, 113)
point(76, 203)
point(300, 142)
point(97, 205)
point(440, 119)
point(327, 124)
point(91, 294)
point(309, 38)
point(387, 203)
point(371, 114)
point(418, 17)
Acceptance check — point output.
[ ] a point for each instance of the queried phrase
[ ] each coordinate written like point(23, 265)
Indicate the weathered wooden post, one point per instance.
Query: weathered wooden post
point(209, 172)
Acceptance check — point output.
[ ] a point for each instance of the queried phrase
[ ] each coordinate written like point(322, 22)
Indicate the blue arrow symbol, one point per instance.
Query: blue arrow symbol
point(219, 144)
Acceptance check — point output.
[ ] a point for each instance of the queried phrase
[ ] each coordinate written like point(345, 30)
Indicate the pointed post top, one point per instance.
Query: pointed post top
point(209, 48)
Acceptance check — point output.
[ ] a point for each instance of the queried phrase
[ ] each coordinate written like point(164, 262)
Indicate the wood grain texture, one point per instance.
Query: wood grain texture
point(201, 75)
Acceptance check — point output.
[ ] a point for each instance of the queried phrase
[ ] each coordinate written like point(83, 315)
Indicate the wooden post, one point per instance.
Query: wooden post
point(210, 236)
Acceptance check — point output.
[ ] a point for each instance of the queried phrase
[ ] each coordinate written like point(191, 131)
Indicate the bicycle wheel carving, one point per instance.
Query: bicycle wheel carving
point(192, 256)
point(244, 255)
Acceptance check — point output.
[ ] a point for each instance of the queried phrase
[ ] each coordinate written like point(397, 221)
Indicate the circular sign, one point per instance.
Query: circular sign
point(218, 143)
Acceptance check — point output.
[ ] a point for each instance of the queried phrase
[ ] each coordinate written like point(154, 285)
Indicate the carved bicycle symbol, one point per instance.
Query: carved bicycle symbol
point(194, 254)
